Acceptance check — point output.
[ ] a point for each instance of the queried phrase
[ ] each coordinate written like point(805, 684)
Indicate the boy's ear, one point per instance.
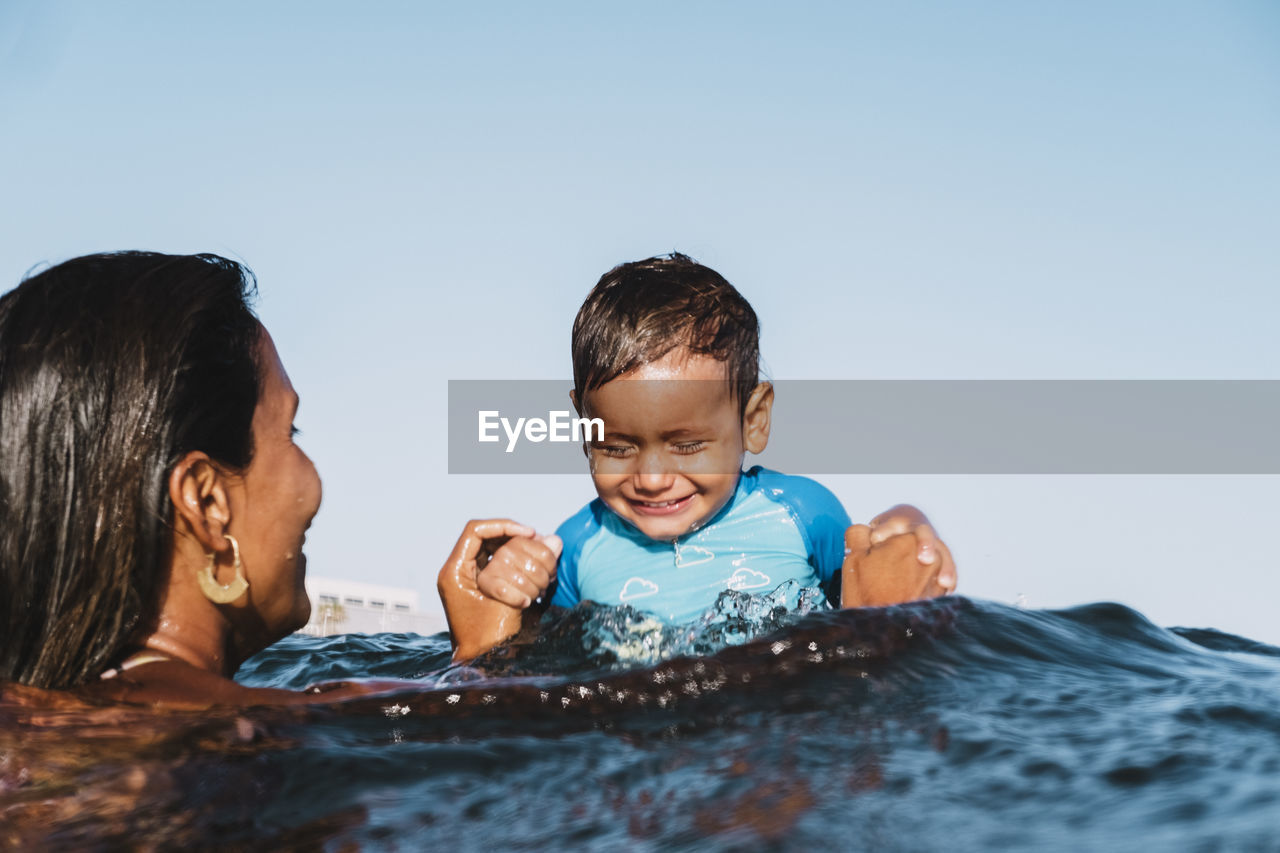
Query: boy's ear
point(757, 417)
point(198, 490)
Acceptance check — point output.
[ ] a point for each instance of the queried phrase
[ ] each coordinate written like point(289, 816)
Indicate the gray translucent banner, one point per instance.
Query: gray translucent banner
point(899, 427)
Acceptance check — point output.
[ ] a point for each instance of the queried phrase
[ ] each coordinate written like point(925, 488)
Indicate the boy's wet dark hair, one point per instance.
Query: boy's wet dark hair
point(640, 311)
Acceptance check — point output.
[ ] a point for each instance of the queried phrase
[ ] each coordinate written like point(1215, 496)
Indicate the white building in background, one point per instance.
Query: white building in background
point(353, 607)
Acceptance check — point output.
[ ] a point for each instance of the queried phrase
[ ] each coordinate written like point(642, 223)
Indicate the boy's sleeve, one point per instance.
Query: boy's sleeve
point(574, 533)
point(822, 521)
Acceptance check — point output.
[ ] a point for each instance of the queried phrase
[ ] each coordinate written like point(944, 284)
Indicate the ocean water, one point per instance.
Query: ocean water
point(948, 725)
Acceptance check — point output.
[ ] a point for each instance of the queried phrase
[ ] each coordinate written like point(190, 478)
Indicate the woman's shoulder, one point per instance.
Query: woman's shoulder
point(175, 684)
point(178, 685)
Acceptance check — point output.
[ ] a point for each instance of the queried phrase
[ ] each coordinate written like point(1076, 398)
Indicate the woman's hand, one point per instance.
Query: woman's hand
point(484, 609)
point(897, 558)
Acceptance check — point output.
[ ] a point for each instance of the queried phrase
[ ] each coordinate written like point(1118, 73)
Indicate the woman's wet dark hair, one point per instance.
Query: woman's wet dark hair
point(112, 368)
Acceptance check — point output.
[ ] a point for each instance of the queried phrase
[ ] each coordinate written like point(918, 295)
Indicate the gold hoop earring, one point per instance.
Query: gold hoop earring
point(216, 592)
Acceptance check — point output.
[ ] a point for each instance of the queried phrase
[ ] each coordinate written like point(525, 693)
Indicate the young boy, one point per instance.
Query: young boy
point(666, 354)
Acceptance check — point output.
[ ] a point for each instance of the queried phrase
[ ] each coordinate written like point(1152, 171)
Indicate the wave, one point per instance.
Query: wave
point(945, 724)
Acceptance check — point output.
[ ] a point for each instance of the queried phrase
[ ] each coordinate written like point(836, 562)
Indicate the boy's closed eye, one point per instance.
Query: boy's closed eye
point(616, 451)
point(689, 447)
point(683, 448)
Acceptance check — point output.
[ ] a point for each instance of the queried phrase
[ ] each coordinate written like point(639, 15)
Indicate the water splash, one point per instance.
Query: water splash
point(622, 637)
point(599, 637)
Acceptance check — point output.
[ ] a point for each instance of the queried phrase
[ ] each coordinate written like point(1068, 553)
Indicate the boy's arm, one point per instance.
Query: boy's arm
point(897, 558)
point(486, 608)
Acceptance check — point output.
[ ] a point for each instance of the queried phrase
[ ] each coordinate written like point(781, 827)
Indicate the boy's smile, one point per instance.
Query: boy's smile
point(670, 507)
point(673, 443)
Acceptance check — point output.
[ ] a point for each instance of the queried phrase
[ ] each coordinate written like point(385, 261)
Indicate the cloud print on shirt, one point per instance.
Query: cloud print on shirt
point(748, 579)
point(637, 588)
point(692, 555)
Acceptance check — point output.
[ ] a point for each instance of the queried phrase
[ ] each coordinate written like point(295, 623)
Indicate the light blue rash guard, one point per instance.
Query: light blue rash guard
point(776, 528)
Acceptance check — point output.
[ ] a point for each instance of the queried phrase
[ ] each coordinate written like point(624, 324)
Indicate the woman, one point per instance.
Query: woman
point(153, 504)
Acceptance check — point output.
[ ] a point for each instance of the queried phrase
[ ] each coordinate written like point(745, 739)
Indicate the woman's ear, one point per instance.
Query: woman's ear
point(198, 490)
point(756, 418)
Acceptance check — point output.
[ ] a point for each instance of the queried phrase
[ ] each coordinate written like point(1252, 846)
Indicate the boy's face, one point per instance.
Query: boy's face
point(673, 442)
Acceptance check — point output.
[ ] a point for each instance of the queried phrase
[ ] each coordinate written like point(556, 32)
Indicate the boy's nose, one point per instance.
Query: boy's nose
point(653, 482)
point(650, 476)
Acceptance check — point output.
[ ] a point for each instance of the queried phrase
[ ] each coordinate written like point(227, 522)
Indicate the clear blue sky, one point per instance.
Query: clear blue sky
point(903, 190)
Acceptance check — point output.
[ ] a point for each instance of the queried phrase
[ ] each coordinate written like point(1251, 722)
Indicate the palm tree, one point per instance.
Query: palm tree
point(331, 612)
